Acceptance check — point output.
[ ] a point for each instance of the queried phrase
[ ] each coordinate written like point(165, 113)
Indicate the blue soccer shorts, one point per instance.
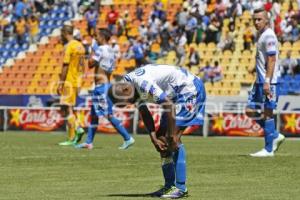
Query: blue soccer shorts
point(258, 100)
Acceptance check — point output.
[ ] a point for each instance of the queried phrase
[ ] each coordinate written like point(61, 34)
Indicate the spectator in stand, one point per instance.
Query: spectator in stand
point(287, 28)
point(136, 50)
point(116, 48)
point(200, 32)
point(232, 10)
point(268, 5)
point(211, 6)
point(3, 23)
point(33, 27)
point(190, 28)
point(248, 37)
point(91, 17)
point(226, 43)
point(143, 31)
point(207, 72)
point(277, 27)
point(276, 8)
point(213, 31)
point(182, 18)
point(288, 65)
point(40, 6)
point(165, 36)
point(221, 8)
point(256, 4)
point(153, 24)
point(20, 9)
point(111, 18)
point(139, 12)
point(194, 58)
point(127, 21)
point(295, 30)
point(217, 72)
point(20, 29)
point(180, 42)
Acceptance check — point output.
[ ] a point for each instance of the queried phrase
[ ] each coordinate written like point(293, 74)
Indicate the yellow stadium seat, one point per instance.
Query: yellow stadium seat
point(211, 46)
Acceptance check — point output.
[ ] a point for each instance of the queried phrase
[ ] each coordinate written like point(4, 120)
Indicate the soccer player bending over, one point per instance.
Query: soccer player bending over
point(182, 97)
point(103, 60)
point(70, 82)
point(264, 95)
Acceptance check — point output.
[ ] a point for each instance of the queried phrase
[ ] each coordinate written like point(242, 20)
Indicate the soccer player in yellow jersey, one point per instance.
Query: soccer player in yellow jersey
point(70, 82)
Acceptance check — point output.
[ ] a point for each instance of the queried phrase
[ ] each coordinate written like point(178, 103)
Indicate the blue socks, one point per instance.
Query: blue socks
point(270, 134)
point(120, 128)
point(92, 130)
point(180, 167)
point(168, 169)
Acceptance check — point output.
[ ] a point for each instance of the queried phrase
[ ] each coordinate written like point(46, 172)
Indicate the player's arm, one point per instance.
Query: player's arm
point(269, 73)
point(64, 70)
point(93, 63)
point(149, 123)
point(169, 109)
point(271, 47)
point(94, 58)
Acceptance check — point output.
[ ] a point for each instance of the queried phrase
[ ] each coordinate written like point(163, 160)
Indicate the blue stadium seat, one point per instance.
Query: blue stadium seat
point(287, 77)
point(297, 77)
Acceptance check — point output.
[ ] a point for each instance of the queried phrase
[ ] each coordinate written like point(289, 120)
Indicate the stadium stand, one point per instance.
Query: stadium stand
point(36, 73)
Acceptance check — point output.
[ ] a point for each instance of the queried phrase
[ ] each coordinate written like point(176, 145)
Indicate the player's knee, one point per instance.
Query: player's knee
point(165, 155)
point(268, 114)
point(64, 110)
point(250, 112)
point(94, 119)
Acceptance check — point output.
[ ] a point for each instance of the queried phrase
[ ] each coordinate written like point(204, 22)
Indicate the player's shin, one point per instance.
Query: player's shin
point(180, 167)
point(92, 130)
point(120, 128)
point(270, 134)
point(71, 126)
point(168, 170)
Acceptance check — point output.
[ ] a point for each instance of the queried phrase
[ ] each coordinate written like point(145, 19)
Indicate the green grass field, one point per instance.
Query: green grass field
point(32, 166)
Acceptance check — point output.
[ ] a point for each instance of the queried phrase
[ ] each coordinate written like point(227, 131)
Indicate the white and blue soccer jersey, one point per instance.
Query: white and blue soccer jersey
point(155, 83)
point(105, 56)
point(267, 45)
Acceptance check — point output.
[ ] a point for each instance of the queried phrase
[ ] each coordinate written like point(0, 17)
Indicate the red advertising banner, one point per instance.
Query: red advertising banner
point(290, 124)
point(156, 114)
point(52, 120)
point(35, 119)
point(126, 117)
point(232, 124)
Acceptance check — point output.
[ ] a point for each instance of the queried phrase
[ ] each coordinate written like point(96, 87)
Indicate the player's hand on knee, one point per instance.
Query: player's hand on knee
point(160, 144)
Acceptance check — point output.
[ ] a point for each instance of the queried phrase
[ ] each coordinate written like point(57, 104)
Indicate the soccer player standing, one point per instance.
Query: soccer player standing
point(182, 97)
point(264, 95)
point(103, 60)
point(70, 82)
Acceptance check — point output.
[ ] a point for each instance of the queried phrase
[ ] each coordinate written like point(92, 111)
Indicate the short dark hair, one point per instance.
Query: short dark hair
point(258, 10)
point(67, 29)
point(106, 33)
